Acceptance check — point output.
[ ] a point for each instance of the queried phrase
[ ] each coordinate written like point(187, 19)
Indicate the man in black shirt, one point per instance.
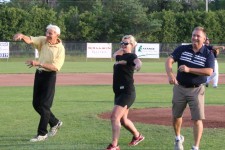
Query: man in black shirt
point(215, 50)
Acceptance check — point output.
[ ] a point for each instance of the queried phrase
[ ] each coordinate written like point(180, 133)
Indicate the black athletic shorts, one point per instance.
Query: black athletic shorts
point(123, 99)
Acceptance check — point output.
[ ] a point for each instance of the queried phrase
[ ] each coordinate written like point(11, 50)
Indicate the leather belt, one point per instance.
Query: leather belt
point(39, 70)
point(190, 86)
point(43, 71)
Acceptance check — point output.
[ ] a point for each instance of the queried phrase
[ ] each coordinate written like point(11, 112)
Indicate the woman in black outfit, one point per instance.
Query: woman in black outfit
point(123, 87)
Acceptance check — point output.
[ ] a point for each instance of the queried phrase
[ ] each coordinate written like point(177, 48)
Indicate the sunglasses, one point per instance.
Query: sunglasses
point(124, 43)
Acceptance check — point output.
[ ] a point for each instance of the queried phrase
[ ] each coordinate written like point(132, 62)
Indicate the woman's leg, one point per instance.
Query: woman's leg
point(128, 124)
point(117, 114)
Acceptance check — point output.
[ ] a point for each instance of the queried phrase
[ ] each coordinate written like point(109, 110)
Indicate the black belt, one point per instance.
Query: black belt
point(190, 86)
point(43, 71)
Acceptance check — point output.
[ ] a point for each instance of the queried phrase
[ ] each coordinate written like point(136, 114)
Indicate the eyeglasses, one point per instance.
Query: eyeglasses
point(124, 43)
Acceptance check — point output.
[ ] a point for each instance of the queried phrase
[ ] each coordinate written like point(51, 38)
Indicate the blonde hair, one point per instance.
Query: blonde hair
point(54, 27)
point(132, 39)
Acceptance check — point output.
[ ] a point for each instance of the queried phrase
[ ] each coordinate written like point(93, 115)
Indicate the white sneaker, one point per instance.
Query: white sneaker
point(193, 148)
point(39, 138)
point(53, 130)
point(179, 144)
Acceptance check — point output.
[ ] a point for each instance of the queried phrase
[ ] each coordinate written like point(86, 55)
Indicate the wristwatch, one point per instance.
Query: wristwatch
point(41, 65)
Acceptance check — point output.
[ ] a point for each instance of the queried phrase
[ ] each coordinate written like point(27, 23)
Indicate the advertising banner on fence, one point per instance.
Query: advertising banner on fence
point(99, 50)
point(147, 50)
point(4, 49)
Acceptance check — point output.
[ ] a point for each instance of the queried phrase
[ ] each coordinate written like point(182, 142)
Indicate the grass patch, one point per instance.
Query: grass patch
point(79, 65)
point(78, 107)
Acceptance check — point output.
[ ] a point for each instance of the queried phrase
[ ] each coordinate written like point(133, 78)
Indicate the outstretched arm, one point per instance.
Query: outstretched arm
point(20, 36)
point(218, 47)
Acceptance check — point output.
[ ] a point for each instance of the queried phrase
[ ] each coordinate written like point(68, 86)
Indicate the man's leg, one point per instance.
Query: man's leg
point(47, 96)
point(197, 131)
point(177, 122)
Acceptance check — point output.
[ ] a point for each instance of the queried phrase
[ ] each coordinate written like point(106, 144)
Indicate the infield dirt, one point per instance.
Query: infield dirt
point(160, 116)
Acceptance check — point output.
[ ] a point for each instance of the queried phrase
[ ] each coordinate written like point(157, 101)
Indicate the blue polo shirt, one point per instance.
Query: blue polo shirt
point(184, 55)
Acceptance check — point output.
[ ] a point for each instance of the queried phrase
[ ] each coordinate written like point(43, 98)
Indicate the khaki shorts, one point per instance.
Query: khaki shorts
point(194, 97)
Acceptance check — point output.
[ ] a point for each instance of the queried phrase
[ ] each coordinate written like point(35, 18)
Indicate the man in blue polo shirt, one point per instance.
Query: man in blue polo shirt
point(195, 63)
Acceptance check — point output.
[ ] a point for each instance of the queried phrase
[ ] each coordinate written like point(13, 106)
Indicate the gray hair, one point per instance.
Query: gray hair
point(201, 29)
point(54, 27)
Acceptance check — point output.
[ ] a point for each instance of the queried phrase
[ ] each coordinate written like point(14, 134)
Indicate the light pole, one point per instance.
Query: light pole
point(206, 5)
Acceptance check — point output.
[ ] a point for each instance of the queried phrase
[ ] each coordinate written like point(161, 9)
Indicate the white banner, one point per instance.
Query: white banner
point(186, 43)
point(147, 50)
point(99, 50)
point(4, 49)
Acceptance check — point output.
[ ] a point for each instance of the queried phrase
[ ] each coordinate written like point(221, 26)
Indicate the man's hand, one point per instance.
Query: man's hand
point(172, 79)
point(18, 36)
point(32, 63)
point(184, 68)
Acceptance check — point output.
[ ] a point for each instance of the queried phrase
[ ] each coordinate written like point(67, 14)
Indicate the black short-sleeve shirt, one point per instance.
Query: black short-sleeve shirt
point(184, 55)
point(123, 71)
point(211, 49)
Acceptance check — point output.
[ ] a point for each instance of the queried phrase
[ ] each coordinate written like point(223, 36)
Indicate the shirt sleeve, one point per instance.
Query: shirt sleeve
point(176, 53)
point(132, 58)
point(59, 60)
point(37, 42)
point(210, 61)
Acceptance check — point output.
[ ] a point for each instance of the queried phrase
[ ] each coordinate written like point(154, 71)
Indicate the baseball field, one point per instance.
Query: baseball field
point(84, 100)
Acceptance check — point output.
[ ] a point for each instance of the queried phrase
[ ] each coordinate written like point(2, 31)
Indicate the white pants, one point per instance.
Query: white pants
point(215, 76)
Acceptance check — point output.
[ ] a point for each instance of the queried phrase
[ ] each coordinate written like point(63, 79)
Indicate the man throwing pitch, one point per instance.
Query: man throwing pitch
point(52, 55)
point(195, 63)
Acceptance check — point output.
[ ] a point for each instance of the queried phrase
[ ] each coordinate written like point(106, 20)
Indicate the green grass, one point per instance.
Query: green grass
point(78, 107)
point(149, 66)
point(79, 67)
point(91, 66)
point(75, 65)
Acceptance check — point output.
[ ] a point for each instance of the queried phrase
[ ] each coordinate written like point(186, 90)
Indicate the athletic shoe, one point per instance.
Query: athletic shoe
point(214, 86)
point(39, 138)
point(111, 147)
point(137, 140)
point(206, 84)
point(179, 144)
point(53, 130)
point(193, 148)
